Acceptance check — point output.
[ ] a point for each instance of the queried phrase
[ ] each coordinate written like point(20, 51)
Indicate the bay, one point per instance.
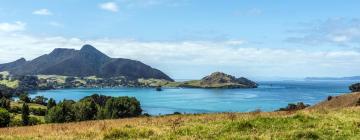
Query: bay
point(270, 96)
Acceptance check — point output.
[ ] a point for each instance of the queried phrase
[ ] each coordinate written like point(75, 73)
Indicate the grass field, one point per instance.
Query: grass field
point(306, 124)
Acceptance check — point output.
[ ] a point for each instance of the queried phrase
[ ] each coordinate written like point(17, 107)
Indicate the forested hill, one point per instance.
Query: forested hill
point(88, 61)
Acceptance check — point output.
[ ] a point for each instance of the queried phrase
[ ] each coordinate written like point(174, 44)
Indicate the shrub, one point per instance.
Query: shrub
point(5, 103)
point(355, 87)
point(15, 122)
point(358, 102)
point(4, 117)
point(15, 109)
point(294, 107)
point(329, 98)
point(39, 100)
point(239, 126)
point(38, 111)
point(34, 121)
point(309, 135)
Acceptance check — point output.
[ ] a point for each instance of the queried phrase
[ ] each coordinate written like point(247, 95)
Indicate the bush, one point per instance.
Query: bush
point(309, 135)
point(15, 122)
point(4, 117)
point(39, 100)
point(329, 98)
point(34, 121)
point(5, 103)
point(15, 109)
point(355, 87)
point(294, 107)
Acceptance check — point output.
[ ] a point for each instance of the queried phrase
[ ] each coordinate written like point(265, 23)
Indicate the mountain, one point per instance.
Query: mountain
point(88, 61)
point(333, 78)
point(220, 80)
point(7, 66)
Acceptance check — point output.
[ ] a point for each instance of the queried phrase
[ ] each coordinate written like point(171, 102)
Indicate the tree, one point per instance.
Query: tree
point(51, 103)
point(5, 103)
point(25, 98)
point(63, 112)
point(4, 117)
point(85, 110)
point(122, 107)
point(25, 112)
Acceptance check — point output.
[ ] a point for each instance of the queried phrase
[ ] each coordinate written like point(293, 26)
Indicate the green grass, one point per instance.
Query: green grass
point(306, 124)
point(31, 105)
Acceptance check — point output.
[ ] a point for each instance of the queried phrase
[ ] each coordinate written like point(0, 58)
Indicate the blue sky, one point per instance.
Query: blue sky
point(261, 39)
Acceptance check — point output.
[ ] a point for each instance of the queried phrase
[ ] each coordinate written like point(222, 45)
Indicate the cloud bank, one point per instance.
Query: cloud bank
point(109, 6)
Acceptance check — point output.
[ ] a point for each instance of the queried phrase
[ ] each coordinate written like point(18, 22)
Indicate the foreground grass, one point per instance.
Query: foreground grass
point(308, 124)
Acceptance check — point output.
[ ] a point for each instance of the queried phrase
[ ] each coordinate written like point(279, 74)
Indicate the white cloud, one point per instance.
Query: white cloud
point(335, 31)
point(196, 58)
point(43, 12)
point(12, 27)
point(109, 6)
point(151, 3)
point(56, 24)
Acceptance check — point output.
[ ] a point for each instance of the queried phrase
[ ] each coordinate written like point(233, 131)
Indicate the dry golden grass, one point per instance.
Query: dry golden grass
point(307, 124)
point(341, 101)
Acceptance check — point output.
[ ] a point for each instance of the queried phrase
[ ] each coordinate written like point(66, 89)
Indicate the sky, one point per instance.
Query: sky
point(188, 39)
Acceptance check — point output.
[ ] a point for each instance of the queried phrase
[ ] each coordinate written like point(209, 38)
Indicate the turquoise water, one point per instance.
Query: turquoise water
point(268, 97)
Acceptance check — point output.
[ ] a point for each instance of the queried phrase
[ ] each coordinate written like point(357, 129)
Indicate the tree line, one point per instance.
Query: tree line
point(94, 107)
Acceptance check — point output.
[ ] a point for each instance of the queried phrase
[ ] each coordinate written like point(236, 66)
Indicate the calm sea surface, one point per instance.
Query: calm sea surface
point(268, 97)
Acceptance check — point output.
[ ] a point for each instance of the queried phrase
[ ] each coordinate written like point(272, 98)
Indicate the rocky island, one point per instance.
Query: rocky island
point(220, 80)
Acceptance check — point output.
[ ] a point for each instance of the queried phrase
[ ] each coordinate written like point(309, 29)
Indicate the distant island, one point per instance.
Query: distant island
point(333, 78)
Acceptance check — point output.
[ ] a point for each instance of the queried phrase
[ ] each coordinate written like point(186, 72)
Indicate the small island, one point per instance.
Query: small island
point(220, 80)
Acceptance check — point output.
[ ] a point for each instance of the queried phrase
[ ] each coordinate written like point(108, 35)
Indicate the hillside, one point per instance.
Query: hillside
point(341, 101)
point(339, 124)
point(87, 61)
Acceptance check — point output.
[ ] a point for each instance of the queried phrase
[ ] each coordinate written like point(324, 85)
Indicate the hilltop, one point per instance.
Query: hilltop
point(88, 61)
